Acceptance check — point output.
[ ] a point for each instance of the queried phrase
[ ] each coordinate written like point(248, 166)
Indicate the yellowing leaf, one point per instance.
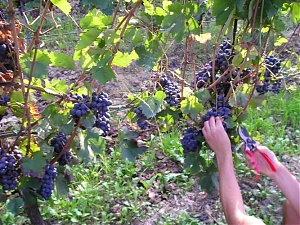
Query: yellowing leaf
point(203, 38)
point(280, 41)
point(63, 5)
point(124, 59)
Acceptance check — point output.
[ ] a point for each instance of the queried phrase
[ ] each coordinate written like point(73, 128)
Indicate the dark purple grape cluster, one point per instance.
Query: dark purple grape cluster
point(203, 77)
point(223, 56)
point(264, 87)
point(276, 86)
point(220, 109)
point(4, 100)
point(142, 119)
point(81, 107)
point(3, 17)
point(6, 57)
point(47, 182)
point(58, 142)
point(190, 141)
point(171, 90)
point(9, 169)
point(273, 66)
point(100, 106)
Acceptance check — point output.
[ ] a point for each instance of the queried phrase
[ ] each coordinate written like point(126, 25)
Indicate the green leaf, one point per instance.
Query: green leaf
point(61, 185)
point(239, 99)
point(128, 134)
point(35, 164)
point(295, 10)
point(124, 59)
point(3, 196)
point(194, 162)
point(240, 5)
point(63, 5)
point(206, 183)
point(222, 10)
point(103, 74)
point(62, 60)
point(151, 107)
point(87, 38)
point(202, 95)
point(88, 121)
point(280, 40)
point(86, 152)
point(41, 64)
point(130, 149)
point(14, 205)
point(191, 106)
point(95, 19)
point(97, 142)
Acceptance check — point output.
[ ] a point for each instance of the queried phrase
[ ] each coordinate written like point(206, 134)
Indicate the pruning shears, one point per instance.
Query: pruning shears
point(250, 148)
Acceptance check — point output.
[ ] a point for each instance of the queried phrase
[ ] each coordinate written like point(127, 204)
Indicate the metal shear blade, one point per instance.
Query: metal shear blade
point(250, 144)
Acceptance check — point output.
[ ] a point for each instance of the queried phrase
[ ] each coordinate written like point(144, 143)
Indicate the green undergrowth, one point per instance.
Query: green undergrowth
point(110, 190)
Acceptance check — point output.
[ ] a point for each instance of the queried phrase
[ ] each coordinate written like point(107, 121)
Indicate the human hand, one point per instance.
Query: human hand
point(261, 163)
point(216, 136)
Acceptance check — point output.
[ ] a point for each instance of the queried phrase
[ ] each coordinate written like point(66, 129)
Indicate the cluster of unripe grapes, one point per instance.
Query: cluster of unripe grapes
point(98, 104)
point(9, 169)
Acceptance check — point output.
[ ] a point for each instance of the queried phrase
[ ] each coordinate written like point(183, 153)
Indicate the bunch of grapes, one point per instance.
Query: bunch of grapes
point(47, 182)
point(3, 17)
point(273, 66)
point(276, 86)
point(81, 107)
point(220, 109)
point(58, 142)
point(171, 90)
point(9, 169)
point(4, 100)
point(223, 56)
point(142, 119)
point(100, 106)
point(190, 141)
point(203, 76)
point(6, 56)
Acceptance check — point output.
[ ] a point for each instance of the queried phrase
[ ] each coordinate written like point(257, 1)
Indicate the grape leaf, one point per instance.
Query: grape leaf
point(61, 185)
point(151, 107)
point(3, 197)
point(95, 19)
point(295, 10)
point(63, 5)
point(124, 59)
point(206, 183)
point(103, 74)
point(14, 205)
point(130, 149)
point(125, 133)
point(222, 10)
point(87, 38)
point(191, 106)
point(62, 60)
point(194, 162)
point(86, 153)
point(96, 141)
point(35, 164)
point(202, 95)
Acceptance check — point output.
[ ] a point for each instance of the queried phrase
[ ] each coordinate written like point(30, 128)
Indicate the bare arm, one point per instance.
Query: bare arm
point(287, 183)
point(231, 198)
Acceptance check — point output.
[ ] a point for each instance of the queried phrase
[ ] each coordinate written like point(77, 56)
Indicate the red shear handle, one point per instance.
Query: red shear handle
point(269, 161)
point(248, 152)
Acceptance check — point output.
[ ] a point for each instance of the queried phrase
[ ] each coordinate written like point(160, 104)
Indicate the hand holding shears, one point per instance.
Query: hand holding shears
point(250, 147)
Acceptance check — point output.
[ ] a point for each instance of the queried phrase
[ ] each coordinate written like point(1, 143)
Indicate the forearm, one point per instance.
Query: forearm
point(289, 185)
point(231, 198)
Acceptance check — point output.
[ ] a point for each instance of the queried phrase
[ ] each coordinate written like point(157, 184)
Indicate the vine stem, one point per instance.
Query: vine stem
point(184, 64)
